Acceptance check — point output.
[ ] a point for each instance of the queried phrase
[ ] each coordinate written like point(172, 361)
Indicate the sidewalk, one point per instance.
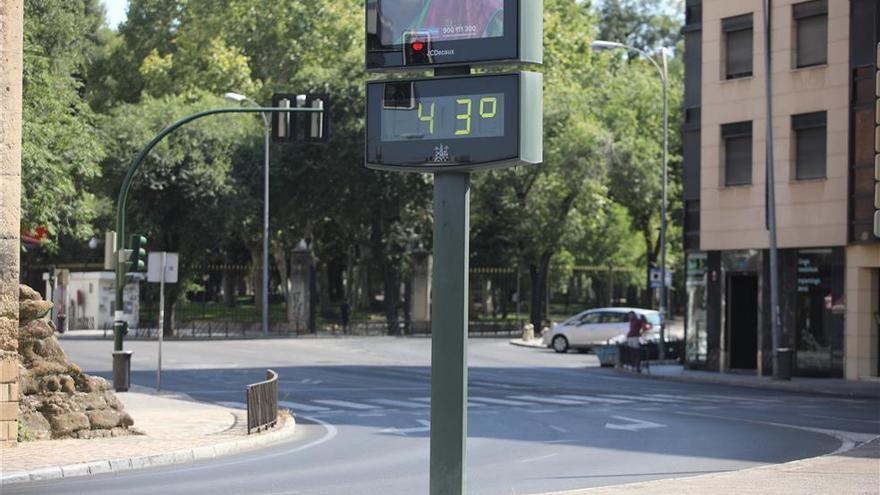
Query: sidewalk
point(826, 386)
point(175, 430)
point(854, 472)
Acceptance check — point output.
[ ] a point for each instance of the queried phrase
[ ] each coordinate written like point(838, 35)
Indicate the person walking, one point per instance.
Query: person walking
point(345, 314)
point(635, 330)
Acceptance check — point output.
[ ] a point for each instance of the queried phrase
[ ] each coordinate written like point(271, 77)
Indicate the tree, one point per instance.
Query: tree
point(60, 149)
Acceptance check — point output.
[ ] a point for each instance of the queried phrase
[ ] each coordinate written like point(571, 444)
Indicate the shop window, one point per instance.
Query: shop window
point(810, 135)
point(811, 24)
point(738, 46)
point(820, 306)
point(737, 153)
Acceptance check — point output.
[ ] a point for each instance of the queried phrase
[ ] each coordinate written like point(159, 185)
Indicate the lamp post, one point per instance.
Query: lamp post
point(662, 68)
point(241, 99)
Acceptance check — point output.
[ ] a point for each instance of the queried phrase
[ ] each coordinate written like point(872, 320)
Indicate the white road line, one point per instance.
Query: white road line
point(398, 403)
point(296, 406)
point(685, 398)
point(547, 400)
point(586, 398)
point(346, 404)
point(501, 402)
point(739, 398)
point(533, 459)
point(233, 405)
point(428, 401)
point(557, 428)
point(870, 421)
point(640, 398)
point(540, 411)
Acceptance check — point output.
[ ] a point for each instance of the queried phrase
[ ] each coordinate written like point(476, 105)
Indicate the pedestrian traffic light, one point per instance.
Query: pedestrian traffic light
point(138, 259)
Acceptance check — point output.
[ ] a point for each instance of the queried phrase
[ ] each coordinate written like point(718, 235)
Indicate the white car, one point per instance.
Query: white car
point(596, 327)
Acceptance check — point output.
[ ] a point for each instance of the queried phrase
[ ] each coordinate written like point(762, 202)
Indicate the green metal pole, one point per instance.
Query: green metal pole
point(449, 332)
point(119, 325)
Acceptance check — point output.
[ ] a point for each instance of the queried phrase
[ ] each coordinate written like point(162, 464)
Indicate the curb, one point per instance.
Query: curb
point(764, 384)
point(154, 460)
point(522, 343)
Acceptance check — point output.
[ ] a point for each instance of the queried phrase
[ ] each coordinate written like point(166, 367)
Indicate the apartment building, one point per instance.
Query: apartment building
point(825, 115)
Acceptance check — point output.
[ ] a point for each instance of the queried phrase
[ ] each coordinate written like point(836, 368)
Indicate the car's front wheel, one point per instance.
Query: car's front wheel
point(560, 344)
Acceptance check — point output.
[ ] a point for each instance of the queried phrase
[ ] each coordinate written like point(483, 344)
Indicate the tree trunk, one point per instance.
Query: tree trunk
point(257, 277)
point(539, 275)
point(324, 291)
point(172, 294)
point(279, 252)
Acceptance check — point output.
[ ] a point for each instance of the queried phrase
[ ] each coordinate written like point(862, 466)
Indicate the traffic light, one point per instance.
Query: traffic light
point(417, 48)
point(299, 127)
point(138, 259)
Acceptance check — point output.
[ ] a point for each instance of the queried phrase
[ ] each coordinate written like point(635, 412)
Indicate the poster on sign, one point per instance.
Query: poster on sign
point(416, 33)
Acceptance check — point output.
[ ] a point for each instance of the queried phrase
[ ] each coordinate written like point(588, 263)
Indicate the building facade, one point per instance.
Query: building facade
point(825, 115)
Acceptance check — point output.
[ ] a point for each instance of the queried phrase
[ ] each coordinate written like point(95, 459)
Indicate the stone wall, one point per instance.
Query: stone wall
point(11, 22)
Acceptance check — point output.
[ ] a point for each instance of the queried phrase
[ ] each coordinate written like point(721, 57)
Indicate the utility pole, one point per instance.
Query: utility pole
point(775, 316)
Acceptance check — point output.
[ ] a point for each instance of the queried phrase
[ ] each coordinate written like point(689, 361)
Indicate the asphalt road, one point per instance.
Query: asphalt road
point(538, 421)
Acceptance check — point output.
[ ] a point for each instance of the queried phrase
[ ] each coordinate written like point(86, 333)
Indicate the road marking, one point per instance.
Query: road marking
point(734, 398)
point(557, 428)
point(871, 421)
point(548, 400)
point(848, 439)
point(296, 406)
point(635, 424)
point(501, 402)
point(398, 403)
point(684, 398)
point(540, 411)
point(533, 459)
point(585, 398)
point(640, 398)
point(346, 404)
point(233, 405)
point(426, 426)
point(428, 401)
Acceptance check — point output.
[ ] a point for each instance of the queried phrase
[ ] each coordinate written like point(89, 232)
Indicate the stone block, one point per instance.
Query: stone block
point(9, 370)
point(8, 392)
point(8, 334)
point(65, 424)
point(8, 411)
point(8, 431)
point(103, 419)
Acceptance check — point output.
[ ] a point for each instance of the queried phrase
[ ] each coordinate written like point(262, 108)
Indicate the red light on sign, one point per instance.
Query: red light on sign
point(418, 46)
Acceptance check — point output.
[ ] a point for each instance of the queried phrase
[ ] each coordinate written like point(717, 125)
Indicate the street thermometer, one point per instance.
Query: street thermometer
point(451, 125)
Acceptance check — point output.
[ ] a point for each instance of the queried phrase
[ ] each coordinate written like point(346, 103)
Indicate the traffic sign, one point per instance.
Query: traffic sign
point(154, 268)
point(403, 34)
point(655, 278)
point(461, 123)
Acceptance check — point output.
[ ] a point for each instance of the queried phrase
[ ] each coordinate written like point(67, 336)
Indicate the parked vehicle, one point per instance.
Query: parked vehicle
point(596, 327)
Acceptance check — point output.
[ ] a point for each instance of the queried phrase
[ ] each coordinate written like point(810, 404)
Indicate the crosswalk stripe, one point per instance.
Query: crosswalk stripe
point(640, 398)
point(398, 403)
point(346, 404)
point(502, 402)
point(685, 398)
point(233, 405)
point(601, 400)
point(548, 400)
point(296, 406)
point(428, 401)
point(735, 398)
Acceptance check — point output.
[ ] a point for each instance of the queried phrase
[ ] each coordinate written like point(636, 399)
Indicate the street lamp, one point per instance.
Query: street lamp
point(242, 99)
point(662, 68)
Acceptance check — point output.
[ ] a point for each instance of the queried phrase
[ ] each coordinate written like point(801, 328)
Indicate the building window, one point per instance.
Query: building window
point(810, 135)
point(737, 153)
point(811, 21)
point(738, 34)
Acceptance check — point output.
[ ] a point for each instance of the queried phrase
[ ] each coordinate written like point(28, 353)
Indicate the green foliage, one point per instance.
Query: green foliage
point(595, 200)
point(60, 149)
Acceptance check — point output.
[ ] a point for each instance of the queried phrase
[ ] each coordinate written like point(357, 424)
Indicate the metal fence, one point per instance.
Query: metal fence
point(262, 403)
